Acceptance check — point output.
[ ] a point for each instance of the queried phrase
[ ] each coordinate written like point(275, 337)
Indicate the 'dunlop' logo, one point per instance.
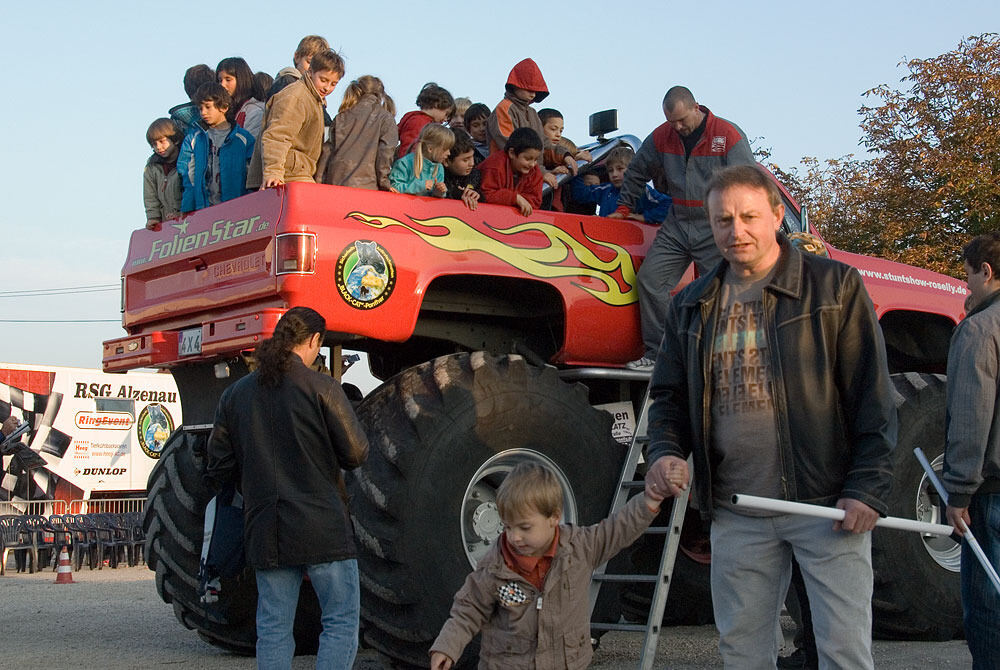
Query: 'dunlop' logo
point(366, 274)
point(153, 428)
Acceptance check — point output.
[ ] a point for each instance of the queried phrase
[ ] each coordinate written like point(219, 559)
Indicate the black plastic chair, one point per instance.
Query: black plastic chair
point(84, 542)
point(45, 538)
point(137, 538)
point(14, 536)
point(66, 536)
point(110, 539)
point(99, 537)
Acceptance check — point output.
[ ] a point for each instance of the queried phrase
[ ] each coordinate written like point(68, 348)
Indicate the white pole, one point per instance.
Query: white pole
point(820, 512)
point(969, 537)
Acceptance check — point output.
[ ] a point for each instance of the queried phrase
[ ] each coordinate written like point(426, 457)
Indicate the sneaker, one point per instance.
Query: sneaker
point(797, 659)
point(644, 364)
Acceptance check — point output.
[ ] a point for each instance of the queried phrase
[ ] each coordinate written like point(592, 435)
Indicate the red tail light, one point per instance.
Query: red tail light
point(295, 253)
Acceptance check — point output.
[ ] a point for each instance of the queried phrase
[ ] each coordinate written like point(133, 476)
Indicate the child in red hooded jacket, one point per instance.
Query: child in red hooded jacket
point(512, 176)
point(435, 106)
point(525, 85)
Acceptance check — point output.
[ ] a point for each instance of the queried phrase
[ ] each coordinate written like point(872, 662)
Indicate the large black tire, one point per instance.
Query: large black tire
point(916, 597)
point(174, 525)
point(431, 428)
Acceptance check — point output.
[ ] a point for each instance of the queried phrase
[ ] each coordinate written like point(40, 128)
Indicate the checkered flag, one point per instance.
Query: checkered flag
point(40, 412)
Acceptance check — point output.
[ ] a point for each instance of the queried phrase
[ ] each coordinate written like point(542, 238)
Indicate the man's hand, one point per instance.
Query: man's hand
point(667, 476)
point(956, 515)
point(858, 517)
point(440, 661)
point(550, 179)
point(470, 198)
point(9, 425)
point(271, 182)
point(523, 205)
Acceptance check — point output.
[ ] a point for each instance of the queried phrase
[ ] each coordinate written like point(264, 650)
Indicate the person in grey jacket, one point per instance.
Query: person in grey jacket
point(283, 434)
point(773, 375)
point(972, 455)
point(680, 157)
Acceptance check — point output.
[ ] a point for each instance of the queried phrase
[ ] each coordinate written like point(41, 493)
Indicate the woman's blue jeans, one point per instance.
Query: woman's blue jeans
point(337, 587)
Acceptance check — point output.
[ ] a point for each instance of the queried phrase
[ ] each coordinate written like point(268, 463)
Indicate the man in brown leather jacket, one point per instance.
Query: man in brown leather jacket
point(283, 433)
point(772, 373)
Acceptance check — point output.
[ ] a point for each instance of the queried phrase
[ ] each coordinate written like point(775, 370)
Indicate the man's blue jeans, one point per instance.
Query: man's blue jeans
point(980, 600)
point(751, 568)
point(337, 587)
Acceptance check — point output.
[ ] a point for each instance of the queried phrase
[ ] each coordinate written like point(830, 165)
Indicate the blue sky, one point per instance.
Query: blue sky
point(86, 79)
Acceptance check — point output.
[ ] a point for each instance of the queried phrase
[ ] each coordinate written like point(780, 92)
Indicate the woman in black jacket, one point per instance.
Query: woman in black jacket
point(283, 433)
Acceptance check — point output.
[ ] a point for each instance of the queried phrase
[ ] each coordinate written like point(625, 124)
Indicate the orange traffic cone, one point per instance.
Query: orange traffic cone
point(64, 571)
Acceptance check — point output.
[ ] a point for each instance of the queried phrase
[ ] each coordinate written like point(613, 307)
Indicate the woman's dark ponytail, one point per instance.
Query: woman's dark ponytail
point(273, 354)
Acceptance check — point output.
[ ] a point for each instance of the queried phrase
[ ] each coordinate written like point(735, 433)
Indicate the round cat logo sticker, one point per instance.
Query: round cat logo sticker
point(153, 428)
point(365, 275)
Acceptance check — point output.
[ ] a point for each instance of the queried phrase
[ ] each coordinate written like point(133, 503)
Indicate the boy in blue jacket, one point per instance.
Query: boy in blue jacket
point(214, 155)
point(652, 208)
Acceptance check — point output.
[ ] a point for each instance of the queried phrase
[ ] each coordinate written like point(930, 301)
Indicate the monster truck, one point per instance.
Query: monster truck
point(496, 335)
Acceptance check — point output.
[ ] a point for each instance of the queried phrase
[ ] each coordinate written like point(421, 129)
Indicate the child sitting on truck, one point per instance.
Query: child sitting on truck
point(363, 138)
point(653, 206)
point(186, 113)
point(161, 183)
point(524, 86)
point(476, 117)
point(552, 126)
point(512, 176)
point(421, 171)
point(533, 584)
point(292, 139)
point(460, 174)
point(213, 157)
point(435, 105)
point(236, 77)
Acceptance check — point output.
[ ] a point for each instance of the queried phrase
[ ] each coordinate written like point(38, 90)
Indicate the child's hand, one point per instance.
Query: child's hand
point(523, 205)
point(429, 185)
point(152, 225)
point(562, 169)
point(440, 661)
point(440, 188)
point(583, 156)
point(470, 198)
point(667, 476)
point(570, 164)
point(550, 179)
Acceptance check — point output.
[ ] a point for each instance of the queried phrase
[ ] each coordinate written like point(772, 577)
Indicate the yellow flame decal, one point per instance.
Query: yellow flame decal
point(457, 236)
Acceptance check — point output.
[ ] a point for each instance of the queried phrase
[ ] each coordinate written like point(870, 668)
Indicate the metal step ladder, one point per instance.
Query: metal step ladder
point(672, 537)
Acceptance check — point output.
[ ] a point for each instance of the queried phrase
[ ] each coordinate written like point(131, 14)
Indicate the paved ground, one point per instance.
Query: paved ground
point(114, 619)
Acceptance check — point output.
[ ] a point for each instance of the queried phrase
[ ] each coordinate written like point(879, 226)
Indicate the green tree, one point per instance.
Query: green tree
point(932, 178)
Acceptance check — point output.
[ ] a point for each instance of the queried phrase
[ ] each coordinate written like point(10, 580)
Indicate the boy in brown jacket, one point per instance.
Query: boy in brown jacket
point(292, 139)
point(533, 584)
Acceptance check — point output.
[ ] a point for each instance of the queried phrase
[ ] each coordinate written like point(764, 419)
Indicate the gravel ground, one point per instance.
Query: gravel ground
point(115, 619)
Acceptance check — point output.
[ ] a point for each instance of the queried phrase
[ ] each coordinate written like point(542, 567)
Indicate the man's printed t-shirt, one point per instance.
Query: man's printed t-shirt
point(744, 433)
